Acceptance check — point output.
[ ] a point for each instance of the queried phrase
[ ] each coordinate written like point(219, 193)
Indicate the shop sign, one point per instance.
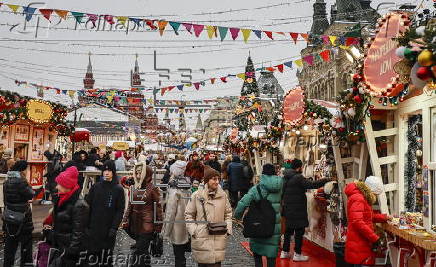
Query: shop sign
point(293, 106)
point(39, 111)
point(120, 146)
point(378, 68)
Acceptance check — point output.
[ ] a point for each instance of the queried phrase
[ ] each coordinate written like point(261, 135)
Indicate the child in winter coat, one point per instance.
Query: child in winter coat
point(361, 237)
point(271, 188)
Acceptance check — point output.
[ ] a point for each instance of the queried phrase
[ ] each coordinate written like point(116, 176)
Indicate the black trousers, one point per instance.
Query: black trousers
point(218, 264)
point(141, 255)
point(235, 196)
point(11, 246)
point(102, 258)
point(299, 233)
point(271, 262)
point(179, 254)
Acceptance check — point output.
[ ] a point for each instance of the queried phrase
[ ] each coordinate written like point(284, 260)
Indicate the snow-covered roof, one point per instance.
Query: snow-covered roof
point(98, 113)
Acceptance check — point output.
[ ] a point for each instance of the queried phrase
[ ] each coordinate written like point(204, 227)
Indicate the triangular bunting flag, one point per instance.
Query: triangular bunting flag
point(13, 7)
point(175, 26)
point(234, 32)
point(258, 33)
point(162, 91)
point(259, 69)
point(198, 29)
point(188, 27)
point(197, 85)
point(109, 19)
point(333, 39)
point(325, 55)
point(269, 34)
point(288, 64)
point(294, 36)
point(241, 76)
point(351, 41)
point(325, 39)
point(224, 79)
point(136, 21)
point(318, 58)
point(246, 34)
point(280, 67)
point(150, 23)
point(211, 31)
point(170, 88)
point(223, 32)
point(308, 59)
point(180, 87)
point(46, 13)
point(78, 16)
point(299, 63)
point(61, 13)
point(122, 20)
point(162, 24)
point(342, 40)
point(29, 12)
point(305, 36)
point(212, 80)
point(93, 18)
point(281, 33)
point(270, 69)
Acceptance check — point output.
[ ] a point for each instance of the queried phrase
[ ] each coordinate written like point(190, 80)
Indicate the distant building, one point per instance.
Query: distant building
point(269, 87)
point(135, 78)
point(88, 82)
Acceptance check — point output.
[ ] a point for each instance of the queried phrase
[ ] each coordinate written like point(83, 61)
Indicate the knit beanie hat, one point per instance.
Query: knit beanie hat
point(269, 169)
point(109, 165)
point(118, 154)
point(375, 184)
point(178, 168)
point(19, 166)
point(68, 178)
point(296, 163)
point(209, 173)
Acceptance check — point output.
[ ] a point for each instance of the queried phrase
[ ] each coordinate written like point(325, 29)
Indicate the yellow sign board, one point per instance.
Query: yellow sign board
point(39, 111)
point(120, 146)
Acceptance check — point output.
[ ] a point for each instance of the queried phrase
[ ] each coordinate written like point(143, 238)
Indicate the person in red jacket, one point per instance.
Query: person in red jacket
point(195, 168)
point(361, 237)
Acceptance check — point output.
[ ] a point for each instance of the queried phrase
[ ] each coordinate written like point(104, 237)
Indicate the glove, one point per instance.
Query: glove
point(112, 233)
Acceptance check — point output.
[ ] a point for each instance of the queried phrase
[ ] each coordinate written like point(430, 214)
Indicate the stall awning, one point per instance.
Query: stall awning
point(80, 134)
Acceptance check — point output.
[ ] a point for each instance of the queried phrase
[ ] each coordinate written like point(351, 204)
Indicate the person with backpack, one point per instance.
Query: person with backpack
point(106, 202)
point(174, 228)
point(209, 240)
point(238, 183)
point(262, 221)
point(295, 208)
point(17, 193)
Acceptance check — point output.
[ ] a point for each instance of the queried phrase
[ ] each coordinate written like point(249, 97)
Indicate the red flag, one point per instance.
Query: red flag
point(46, 13)
point(162, 91)
point(197, 85)
point(294, 36)
point(351, 41)
point(224, 79)
point(280, 67)
point(170, 88)
point(212, 80)
point(325, 55)
point(305, 36)
point(270, 69)
point(269, 34)
point(150, 23)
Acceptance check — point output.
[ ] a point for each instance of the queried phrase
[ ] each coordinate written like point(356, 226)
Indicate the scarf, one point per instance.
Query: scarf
point(65, 196)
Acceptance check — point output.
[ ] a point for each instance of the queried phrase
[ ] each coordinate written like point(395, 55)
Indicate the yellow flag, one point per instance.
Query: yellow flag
point(122, 20)
point(71, 93)
point(344, 47)
point(13, 7)
point(161, 25)
point(333, 39)
point(299, 63)
point(211, 31)
point(241, 75)
point(188, 84)
point(246, 34)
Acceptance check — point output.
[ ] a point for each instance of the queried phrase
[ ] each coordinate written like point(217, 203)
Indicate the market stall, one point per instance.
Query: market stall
point(29, 127)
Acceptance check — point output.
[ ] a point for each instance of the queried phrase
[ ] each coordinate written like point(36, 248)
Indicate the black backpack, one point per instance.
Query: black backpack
point(260, 220)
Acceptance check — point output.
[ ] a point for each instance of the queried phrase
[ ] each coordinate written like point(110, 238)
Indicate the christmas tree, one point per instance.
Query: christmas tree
point(249, 109)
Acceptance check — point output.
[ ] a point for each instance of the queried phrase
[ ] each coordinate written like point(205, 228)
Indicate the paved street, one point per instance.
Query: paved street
point(236, 254)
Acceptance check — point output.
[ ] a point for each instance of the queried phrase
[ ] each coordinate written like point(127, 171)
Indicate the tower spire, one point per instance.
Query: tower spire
point(320, 21)
point(89, 70)
point(135, 78)
point(88, 82)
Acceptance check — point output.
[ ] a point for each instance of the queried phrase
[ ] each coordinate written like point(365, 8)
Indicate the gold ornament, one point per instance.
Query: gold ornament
point(425, 58)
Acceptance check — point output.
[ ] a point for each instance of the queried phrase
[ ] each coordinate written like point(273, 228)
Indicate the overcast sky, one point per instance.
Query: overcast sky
point(114, 52)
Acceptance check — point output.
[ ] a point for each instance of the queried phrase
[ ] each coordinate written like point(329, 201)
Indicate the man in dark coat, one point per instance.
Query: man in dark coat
point(213, 162)
point(295, 207)
point(79, 161)
point(17, 192)
point(54, 168)
point(106, 202)
point(238, 183)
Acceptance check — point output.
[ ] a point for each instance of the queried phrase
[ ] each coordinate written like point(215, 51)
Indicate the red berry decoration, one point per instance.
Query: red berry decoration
point(423, 73)
point(357, 99)
point(357, 77)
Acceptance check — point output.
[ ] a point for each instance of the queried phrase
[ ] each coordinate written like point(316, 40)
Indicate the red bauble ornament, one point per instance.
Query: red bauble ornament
point(357, 99)
point(341, 129)
point(424, 73)
point(357, 77)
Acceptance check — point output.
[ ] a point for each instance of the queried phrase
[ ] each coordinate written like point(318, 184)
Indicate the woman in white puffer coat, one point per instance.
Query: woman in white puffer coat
point(177, 198)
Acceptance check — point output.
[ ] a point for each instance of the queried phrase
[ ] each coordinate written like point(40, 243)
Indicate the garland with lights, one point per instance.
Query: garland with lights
point(13, 107)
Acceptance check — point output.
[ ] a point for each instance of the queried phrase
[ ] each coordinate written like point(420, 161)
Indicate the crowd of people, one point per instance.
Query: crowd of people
point(195, 211)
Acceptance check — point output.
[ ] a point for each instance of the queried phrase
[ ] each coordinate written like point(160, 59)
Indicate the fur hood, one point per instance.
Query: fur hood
point(362, 188)
point(143, 175)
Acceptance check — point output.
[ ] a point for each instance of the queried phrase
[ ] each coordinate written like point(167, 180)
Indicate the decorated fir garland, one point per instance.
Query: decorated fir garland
point(13, 108)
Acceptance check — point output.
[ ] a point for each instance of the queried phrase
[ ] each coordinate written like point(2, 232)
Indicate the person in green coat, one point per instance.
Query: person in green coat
point(271, 188)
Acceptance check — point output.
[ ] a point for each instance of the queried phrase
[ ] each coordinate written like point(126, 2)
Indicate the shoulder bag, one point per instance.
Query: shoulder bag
point(214, 228)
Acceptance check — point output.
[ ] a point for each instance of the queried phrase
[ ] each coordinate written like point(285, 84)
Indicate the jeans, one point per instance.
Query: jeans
point(141, 255)
point(179, 255)
point(299, 233)
point(271, 262)
point(235, 196)
point(11, 246)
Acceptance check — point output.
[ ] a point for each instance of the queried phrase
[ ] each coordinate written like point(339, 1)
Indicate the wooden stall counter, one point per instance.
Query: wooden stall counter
point(410, 247)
